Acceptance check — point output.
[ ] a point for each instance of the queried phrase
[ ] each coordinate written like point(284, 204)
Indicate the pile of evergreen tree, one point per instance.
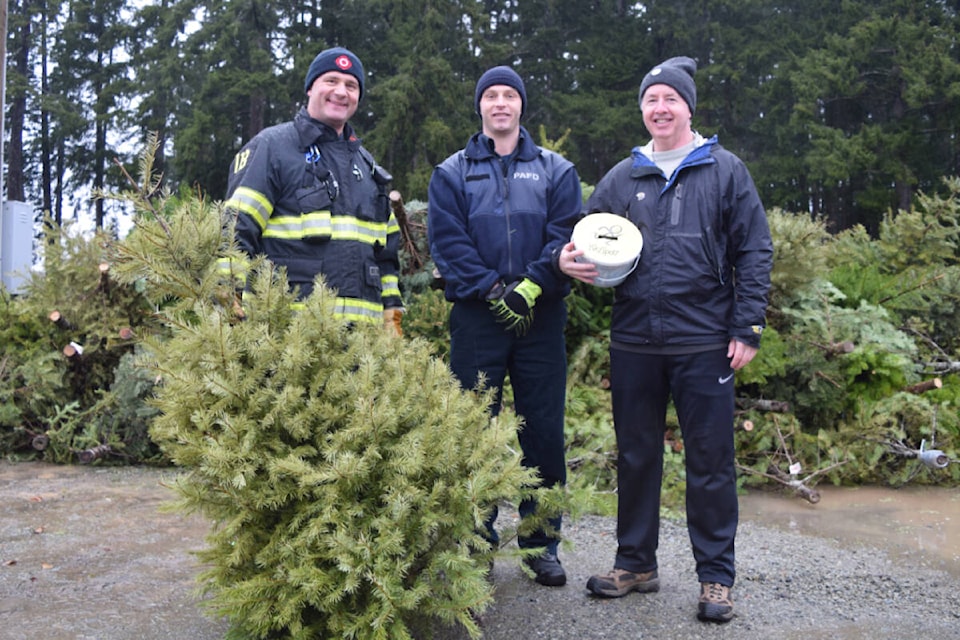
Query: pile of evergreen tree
point(64, 395)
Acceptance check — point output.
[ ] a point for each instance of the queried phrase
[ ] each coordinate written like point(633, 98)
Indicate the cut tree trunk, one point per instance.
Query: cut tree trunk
point(926, 385)
point(62, 323)
point(400, 213)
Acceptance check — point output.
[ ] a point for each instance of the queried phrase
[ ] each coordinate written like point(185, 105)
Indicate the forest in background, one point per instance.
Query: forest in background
point(846, 110)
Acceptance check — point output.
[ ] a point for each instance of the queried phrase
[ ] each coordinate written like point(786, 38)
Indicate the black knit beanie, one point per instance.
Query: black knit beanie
point(335, 59)
point(677, 73)
point(500, 75)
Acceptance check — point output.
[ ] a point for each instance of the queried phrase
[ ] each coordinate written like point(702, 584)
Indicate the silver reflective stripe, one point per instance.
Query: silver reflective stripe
point(390, 284)
point(351, 310)
point(356, 310)
point(341, 228)
point(252, 203)
point(316, 225)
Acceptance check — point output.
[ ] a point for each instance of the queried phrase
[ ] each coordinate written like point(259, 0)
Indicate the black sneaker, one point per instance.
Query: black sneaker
point(548, 570)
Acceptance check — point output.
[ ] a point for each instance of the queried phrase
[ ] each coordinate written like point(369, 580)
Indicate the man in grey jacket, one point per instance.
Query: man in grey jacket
point(684, 321)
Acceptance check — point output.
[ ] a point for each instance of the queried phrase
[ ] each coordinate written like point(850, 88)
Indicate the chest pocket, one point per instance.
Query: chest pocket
point(315, 200)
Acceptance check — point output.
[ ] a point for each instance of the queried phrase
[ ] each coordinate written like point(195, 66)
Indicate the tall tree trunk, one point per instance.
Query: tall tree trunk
point(61, 169)
point(45, 147)
point(100, 143)
point(18, 106)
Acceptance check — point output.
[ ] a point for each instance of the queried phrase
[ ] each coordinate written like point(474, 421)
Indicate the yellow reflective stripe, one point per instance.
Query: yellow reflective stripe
point(224, 266)
point(351, 309)
point(253, 203)
point(316, 224)
point(350, 228)
point(390, 285)
point(308, 225)
point(342, 228)
point(392, 225)
point(283, 227)
point(357, 310)
point(232, 267)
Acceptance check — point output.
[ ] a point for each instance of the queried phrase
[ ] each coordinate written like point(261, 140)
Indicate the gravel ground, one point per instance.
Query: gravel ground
point(788, 587)
point(86, 554)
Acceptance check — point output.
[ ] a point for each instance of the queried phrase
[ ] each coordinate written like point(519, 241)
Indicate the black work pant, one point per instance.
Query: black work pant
point(537, 365)
point(701, 386)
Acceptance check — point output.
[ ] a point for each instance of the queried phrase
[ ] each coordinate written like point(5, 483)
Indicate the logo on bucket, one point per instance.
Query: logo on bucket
point(611, 243)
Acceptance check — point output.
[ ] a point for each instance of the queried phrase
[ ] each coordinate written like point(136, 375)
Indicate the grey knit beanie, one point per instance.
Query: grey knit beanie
point(677, 73)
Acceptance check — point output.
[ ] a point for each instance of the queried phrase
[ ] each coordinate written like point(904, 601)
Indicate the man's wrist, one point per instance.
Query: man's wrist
point(496, 291)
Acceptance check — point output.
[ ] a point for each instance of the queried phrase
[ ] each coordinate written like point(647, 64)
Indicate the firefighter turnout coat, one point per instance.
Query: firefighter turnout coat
point(315, 202)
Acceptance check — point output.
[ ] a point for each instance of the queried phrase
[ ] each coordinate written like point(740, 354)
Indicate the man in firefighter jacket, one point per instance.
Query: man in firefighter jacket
point(499, 212)
point(311, 199)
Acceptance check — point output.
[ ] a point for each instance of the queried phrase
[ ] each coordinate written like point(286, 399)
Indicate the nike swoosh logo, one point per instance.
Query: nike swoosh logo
point(723, 380)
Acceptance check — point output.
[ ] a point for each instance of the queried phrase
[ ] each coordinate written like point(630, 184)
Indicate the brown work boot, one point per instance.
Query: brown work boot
point(715, 604)
point(618, 583)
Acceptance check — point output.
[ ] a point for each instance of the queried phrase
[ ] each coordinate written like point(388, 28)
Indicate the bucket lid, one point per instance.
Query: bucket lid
point(607, 239)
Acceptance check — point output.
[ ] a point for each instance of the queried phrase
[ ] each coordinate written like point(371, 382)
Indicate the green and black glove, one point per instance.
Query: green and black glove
point(514, 308)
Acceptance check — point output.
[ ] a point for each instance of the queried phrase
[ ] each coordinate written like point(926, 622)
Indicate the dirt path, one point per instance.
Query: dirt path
point(85, 553)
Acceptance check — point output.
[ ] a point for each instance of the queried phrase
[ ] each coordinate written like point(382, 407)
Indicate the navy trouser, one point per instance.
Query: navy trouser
point(701, 385)
point(537, 366)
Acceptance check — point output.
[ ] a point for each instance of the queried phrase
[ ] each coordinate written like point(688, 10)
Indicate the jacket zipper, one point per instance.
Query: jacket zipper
point(675, 206)
point(506, 213)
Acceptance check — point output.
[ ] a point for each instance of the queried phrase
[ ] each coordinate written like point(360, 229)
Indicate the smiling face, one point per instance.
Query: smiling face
point(333, 98)
point(667, 117)
point(500, 109)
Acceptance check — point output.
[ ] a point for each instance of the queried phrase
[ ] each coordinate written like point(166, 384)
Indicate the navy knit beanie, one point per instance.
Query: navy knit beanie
point(335, 59)
point(500, 75)
point(677, 73)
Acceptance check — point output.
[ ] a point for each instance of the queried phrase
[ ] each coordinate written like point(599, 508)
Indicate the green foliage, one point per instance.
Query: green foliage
point(918, 262)
point(830, 103)
point(891, 431)
point(776, 446)
point(124, 415)
point(31, 380)
point(346, 472)
point(846, 346)
point(591, 447)
point(426, 319)
point(769, 364)
point(799, 257)
point(62, 342)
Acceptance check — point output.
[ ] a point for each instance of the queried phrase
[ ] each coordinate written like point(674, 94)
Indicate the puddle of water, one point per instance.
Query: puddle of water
point(918, 524)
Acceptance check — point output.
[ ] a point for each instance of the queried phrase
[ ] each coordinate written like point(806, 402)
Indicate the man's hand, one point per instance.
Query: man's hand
point(740, 354)
point(582, 271)
point(515, 307)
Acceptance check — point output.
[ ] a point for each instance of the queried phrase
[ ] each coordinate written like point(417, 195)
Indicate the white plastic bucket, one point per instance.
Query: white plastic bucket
point(611, 243)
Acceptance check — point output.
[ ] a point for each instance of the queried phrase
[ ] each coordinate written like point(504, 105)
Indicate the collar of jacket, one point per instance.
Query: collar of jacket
point(311, 131)
point(642, 165)
point(479, 149)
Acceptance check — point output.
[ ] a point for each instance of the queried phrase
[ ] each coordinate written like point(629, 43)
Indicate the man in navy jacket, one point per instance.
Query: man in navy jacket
point(499, 212)
point(684, 321)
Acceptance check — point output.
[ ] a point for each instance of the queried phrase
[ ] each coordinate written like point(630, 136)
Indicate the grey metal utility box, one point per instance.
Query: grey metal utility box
point(16, 244)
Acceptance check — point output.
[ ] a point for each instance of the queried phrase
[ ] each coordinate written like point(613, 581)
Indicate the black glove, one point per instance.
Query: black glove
point(514, 308)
